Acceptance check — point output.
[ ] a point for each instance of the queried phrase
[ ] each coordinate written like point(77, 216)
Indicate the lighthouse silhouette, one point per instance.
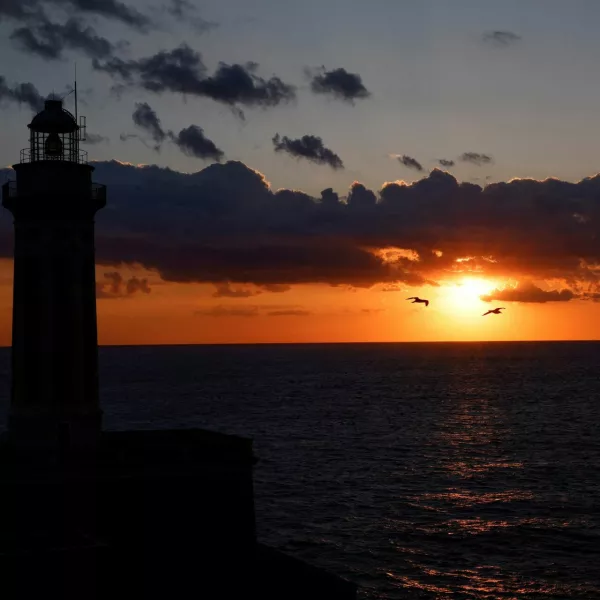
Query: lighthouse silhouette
point(54, 397)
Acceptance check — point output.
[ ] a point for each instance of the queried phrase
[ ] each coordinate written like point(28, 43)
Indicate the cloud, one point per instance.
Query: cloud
point(94, 138)
point(16, 9)
point(361, 197)
point(137, 285)
point(182, 71)
point(253, 311)
point(476, 158)
point(594, 297)
point(115, 286)
point(185, 12)
point(409, 162)
point(193, 142)
point(310, 147)
point(190, 140)
point(501, 38)
point(339, 84)
point(528, 292)
point(226, 223)
point(21, 93)
point(444, 162)
point(49, 40)
point(224, 290)
point(33, 10)
point(276, 288)
point(110, 9)
point(146, 118)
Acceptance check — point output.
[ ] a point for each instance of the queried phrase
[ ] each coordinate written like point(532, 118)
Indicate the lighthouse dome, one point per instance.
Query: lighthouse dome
point(54, 119)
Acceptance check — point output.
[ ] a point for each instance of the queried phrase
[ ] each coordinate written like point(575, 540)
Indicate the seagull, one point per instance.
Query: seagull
point(418, 300)
point(495, 311)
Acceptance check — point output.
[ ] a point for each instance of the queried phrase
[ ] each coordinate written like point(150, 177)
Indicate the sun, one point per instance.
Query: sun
point(464, 294)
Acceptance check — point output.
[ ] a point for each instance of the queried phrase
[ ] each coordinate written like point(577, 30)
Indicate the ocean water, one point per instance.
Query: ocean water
point(416, 470)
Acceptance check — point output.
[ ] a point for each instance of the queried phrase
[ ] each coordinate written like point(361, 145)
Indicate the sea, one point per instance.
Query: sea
point(449, 470)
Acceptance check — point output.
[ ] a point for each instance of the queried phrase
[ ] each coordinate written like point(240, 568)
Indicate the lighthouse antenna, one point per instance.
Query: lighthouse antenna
point(75, 89)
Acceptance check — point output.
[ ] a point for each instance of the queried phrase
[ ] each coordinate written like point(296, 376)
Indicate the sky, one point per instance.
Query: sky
point(293, 172)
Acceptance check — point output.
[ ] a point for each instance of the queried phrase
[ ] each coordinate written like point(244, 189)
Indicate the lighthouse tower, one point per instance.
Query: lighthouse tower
point(54, 397)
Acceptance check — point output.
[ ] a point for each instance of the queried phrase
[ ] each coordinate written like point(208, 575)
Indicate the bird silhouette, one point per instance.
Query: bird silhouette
point(495, 311)
point(416, 299)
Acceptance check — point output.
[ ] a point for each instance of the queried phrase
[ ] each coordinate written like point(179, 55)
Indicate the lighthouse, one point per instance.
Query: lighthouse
point(54, 397)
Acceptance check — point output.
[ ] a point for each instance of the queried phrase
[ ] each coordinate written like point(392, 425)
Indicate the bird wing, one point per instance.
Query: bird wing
point(487, 313)
point(412, 298)
point(426, 302)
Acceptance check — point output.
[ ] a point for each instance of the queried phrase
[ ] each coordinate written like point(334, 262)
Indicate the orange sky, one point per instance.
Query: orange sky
point(190, 314)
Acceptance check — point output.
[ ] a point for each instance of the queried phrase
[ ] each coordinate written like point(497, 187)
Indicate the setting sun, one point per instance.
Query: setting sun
point(464, 295)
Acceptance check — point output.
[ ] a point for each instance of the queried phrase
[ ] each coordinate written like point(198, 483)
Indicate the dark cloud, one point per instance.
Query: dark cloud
point(501, 38)
point(224, 290)
point(186, 12)
point(146, 118)
point(33, 11)
point(528, 292)
point(360, 197)
point(225, 223)
point(125, 137)
point(329, 197)
point(115, 286)
point(190, 140)
point(178, 70)
point(594, 297)
point(193, 142)
point(21, 93)
point(239, 84)
point(94, 138)
point(17, 9)
point(110, 9)
point(49, 40)
point(409, 162)
point(444, 162)
point(182, 70)
point(276, 288)
point(180, 8)
point(339, 83)
point(135, 285)
point(476, 158)
point(310, 147)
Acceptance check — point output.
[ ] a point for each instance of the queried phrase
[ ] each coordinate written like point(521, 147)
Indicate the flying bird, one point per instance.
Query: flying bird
point(418, 300)
point(495, 311)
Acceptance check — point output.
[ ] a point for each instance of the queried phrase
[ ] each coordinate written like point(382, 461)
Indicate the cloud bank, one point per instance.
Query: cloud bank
point(226, 224)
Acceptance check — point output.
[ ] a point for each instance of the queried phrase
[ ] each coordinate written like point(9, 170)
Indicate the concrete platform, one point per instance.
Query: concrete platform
point(150, 514)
